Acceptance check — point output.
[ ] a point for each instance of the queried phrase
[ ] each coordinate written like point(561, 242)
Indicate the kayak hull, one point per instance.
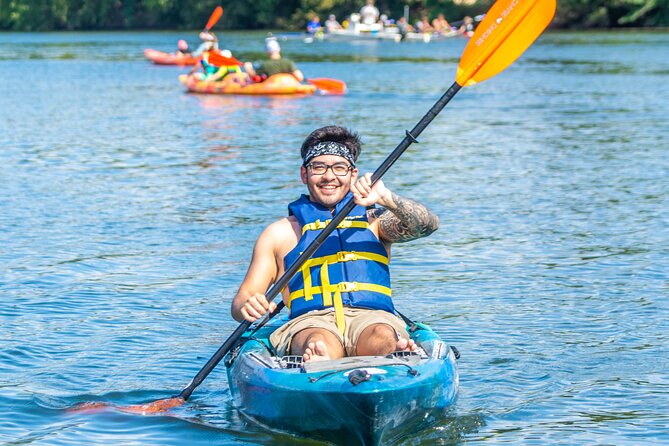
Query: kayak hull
point(279, 84)
point(400, 394)
point(161, 58)
point(387, 34)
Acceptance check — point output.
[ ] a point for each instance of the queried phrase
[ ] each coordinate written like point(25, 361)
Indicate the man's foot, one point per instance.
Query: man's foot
point(406, 345)
point(316, 351)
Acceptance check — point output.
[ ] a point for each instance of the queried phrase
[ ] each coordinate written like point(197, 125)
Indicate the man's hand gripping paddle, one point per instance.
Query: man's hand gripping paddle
point(507, 30)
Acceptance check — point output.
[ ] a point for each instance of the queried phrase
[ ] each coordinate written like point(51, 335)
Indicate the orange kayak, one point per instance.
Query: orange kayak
point(277, 84)
point(161, 58)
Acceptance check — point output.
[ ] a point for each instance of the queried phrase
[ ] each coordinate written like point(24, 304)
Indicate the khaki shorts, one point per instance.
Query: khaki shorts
point(357, 319)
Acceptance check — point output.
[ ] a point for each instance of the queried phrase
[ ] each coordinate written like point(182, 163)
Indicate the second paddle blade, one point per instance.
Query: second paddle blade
point(152, 408)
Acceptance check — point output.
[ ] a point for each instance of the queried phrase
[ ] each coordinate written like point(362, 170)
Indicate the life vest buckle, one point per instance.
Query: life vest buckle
point(347, 287)
point(344, 256)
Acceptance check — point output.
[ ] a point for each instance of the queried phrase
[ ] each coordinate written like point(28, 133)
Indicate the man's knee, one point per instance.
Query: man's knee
point(304, 337)
point(380, 332)
point(377, 339)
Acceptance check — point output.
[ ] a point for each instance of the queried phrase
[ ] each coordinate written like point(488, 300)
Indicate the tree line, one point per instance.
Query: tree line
point(54, 15)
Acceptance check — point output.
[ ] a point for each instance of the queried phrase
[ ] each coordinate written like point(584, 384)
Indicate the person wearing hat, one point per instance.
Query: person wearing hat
point(182, 48)
point(274, 65)
point(340, 302)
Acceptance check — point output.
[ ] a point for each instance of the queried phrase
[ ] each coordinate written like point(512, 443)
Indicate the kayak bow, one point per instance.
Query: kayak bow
point(161, 58)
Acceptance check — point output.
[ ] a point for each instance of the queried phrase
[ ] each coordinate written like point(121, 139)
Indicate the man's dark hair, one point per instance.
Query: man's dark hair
point(336, 134)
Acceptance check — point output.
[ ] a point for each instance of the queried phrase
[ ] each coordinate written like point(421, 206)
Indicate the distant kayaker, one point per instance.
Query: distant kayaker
point(209, 43)
point(182, 48)
point(275, 65)
point(220, 66)
point(340, 303)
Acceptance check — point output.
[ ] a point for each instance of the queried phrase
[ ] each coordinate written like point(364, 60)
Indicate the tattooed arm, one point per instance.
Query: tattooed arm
point(402, 219)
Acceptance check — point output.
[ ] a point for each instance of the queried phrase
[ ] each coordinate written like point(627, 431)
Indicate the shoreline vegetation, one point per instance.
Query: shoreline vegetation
point(292, 15)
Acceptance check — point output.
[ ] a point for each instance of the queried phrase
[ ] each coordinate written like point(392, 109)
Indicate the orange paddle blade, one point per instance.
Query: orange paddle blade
point(152, 408)
point(332, 86)
point(218, 12)
point(216, 58)
point(508, 29)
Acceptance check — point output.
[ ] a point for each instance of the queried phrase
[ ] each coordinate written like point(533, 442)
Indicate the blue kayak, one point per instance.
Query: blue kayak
point(364, 400)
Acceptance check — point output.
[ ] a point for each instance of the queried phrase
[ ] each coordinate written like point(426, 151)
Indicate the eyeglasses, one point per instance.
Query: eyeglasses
point(339, 169)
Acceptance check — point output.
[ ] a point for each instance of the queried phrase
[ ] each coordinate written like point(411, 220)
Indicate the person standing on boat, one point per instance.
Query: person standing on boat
point(340, 302)
point(369, 13)
point(275, 65)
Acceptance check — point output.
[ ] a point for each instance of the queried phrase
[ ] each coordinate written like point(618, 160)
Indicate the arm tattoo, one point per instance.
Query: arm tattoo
point(409, 220)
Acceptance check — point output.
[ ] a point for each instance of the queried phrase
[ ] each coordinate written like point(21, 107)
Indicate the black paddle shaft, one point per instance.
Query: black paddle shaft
point(318, 241)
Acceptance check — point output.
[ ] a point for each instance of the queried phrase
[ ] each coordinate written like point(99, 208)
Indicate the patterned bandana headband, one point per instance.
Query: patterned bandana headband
point(328, 148)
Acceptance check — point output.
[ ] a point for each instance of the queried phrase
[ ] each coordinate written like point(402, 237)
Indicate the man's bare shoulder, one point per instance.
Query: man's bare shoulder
point(283, 226)
point(282, 235)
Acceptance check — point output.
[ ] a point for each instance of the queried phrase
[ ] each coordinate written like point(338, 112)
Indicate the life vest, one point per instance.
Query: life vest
point(349, 268)
point(220, 72)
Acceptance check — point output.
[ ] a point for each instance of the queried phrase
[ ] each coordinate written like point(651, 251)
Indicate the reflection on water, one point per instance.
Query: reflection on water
point(129, 209)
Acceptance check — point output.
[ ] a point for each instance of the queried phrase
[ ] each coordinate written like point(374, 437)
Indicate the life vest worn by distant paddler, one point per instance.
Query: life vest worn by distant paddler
point(350, 267)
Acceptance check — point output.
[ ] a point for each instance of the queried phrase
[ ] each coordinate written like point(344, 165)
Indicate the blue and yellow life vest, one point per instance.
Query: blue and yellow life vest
point(350, 267)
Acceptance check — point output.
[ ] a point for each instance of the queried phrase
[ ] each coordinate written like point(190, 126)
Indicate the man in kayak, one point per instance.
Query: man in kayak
point(275, 65)
point(339, 302)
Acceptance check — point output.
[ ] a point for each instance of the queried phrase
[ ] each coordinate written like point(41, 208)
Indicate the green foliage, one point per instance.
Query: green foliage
point(612, 13)
point(38, 15)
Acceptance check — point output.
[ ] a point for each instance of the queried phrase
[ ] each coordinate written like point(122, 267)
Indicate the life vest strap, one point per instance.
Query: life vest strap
point(342, 287)
point(345, 256)
point(331, 299)
point(318, 225)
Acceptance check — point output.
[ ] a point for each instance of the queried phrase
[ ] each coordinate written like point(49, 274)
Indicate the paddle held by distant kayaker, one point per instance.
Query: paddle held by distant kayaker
point(340, 302)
